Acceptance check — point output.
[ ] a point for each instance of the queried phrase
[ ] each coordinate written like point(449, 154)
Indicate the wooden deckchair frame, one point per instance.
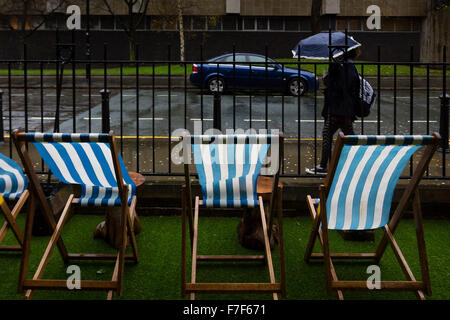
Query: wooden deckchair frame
point(192, 215)
point(38, 198)
point(320, 230)
point(10, 217)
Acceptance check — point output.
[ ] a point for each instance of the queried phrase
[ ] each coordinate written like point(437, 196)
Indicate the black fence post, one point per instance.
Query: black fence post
point(2, 137)
point(217, 123)
point(105, 110)
point(443, 124)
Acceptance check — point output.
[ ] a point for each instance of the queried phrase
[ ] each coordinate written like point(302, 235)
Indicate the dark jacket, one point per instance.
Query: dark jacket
point(340, 95)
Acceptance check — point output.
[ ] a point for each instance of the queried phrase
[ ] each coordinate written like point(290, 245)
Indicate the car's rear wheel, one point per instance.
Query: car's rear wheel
point(296, 87)
point(216, 84)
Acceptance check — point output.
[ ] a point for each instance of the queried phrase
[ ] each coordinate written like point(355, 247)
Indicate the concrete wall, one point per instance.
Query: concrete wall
point(153, 45)
point(435, 35)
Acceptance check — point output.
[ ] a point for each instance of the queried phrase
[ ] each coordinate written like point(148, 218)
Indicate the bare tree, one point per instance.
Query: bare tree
point(27, 16)
point(136, 11)
point(172, 12)
point(316, 8)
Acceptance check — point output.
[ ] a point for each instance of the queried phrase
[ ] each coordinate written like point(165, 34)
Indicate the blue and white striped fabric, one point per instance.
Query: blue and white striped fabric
point(12, 180)
point(86, 160)
point(228, 168)
point(366, 175)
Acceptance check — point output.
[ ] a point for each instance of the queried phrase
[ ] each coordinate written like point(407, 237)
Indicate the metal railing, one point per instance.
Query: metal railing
point(145, 101)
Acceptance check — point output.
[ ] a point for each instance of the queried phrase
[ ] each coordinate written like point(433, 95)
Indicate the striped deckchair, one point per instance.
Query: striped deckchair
point(357, 195)
point(228, 167)
point(92, 162)
point(13, 187)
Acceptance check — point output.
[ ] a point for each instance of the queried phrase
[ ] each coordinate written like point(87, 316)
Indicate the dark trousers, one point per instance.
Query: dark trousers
point(331, 125)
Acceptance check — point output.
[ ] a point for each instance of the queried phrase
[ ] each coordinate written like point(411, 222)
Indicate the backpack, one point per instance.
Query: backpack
point(366, 99)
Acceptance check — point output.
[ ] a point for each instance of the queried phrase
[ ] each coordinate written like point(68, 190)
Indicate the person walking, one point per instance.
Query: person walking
point(341, 92)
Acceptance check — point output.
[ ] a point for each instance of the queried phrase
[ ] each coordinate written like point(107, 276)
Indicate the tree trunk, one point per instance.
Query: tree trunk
point(23, 25)
point(316, 8)
point(131, 32)
point(131, 45)
point(180, 21)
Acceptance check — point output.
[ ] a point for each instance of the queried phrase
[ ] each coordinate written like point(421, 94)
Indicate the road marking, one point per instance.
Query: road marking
point(257, 120)
point(92, 95)
point(156, 119)
point(365, 121)
point(44, 118)
point(166, 95)
point(19, 94)
point(100, 118)
point(52, 95)
point(423, 121)
point(204, 119)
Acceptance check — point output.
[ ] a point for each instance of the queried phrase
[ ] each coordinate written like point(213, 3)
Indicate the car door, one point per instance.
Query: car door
point(259, 76)
point(237, 73)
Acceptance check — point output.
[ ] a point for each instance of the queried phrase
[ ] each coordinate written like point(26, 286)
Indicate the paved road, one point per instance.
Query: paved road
point(282, 112)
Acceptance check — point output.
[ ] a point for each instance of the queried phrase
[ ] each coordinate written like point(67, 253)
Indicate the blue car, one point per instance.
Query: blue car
point(250, 73)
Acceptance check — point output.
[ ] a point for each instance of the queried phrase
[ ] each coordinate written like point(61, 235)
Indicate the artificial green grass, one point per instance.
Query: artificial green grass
point(157, 275)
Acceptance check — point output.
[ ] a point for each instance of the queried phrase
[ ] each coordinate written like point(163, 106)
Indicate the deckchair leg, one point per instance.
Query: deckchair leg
point(114, 278)
point(281, 242)
point(130, 228)
point(322, 234)
point(51, 245)
point(122, 248)
point(194, 246)
point(183, 241)
point(11, 217)
point(421, 243)
point(315, 229)
point(267, 246)
point(26, 244)
point(11, 221)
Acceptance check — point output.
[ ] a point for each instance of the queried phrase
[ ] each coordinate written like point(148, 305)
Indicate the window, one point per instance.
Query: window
point(354, 24)
point(229, 23)
point(93, 22)
point(4, 24)
point(276, 23)
point(141, 22)
point(403, 24)
point(291, 24)
point(261, 23)
point(51, 22)
point(171, 23)
point(327, 23)
point(305, 24)
point(258, 61)
point(416, 24)
point(249, 23)
point(199, 23)
point(237, 58)
point(214, 23)
point(156, 23)
point(107, 22)
point(187, 23)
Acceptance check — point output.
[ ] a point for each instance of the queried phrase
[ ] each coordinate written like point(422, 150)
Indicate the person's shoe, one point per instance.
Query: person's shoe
point(318, 170)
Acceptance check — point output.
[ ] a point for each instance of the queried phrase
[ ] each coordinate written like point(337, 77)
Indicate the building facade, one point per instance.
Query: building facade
point(218, 25)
